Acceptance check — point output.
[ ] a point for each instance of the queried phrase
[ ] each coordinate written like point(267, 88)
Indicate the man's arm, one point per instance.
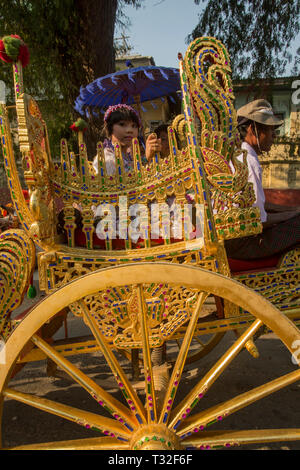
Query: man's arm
point(271, 207)
point(277, 217)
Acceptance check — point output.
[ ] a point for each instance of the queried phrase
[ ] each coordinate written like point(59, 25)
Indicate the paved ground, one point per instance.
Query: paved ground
point(281, 410)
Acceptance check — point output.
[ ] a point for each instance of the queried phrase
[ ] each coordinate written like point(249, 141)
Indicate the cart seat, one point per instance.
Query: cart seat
point(241, 265)
point(117, 244)
point(236, 265)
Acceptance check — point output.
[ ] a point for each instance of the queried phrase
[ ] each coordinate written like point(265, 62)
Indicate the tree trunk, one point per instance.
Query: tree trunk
point(97, 25)
point(96, 43)
point(71, 43)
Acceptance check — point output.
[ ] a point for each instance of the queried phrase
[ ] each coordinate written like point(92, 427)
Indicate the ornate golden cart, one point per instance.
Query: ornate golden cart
point(139, 299)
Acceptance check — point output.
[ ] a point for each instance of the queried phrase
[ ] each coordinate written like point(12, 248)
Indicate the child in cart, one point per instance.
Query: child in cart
point(121, 125)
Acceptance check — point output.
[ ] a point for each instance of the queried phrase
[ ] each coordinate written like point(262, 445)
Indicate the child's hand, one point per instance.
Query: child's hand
point(153, 145)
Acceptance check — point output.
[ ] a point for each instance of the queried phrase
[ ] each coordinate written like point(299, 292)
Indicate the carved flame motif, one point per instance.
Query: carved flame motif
point(117, 313)
point(134, 330)
point(17, 261)
point(37, 172)
point(207, 65)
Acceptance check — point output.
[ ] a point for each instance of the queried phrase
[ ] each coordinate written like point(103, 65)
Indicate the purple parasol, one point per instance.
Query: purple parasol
point(130, 86)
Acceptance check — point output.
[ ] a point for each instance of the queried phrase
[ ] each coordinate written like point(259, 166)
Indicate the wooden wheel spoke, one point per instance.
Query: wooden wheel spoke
point(201, 343)
point(220, 411)
point(120, 376)
point(195, 338)
point(159, 426)
point(228, 438)
point(95, 443)
point(190, 401)
point(84, 418)
point(151, 404)
point(113, 406)
point(200, 348)
point(178, 368)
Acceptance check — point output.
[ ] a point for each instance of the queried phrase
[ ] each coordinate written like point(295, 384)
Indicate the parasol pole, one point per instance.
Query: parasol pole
point(137, 102)
point(80, 138)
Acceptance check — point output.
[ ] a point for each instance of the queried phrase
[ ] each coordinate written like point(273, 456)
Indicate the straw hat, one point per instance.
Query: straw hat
point(258, 111)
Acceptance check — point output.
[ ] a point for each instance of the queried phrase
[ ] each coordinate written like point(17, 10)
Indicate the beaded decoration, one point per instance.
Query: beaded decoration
point(120, 106)
point(207, 77)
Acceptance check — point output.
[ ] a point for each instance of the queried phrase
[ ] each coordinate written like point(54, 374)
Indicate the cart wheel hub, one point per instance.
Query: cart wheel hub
point(154, 437)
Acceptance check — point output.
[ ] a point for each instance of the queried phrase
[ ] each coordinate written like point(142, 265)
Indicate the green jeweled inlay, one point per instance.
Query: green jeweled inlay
point(153, 438)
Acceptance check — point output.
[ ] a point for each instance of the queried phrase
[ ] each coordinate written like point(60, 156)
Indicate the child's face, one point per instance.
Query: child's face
point(123, 132)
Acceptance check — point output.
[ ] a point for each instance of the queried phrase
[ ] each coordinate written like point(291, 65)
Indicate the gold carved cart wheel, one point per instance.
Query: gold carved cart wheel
point(160, 417)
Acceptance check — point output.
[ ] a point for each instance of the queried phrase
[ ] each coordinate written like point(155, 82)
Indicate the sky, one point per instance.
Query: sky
point(159, 29)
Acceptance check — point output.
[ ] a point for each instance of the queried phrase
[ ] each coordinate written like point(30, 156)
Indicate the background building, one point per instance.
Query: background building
point(157, 111)
point(281, 166)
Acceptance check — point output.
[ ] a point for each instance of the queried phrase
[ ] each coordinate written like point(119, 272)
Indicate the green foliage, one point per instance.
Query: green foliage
point(257, 33)
point(45, 28)
point(63, 55)
point(12, 46)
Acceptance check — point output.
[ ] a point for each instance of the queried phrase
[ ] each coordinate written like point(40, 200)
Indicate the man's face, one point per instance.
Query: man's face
point(266, 135)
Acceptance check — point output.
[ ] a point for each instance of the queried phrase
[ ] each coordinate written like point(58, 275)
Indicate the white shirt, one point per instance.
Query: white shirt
point(255, 177)
point(110, 162)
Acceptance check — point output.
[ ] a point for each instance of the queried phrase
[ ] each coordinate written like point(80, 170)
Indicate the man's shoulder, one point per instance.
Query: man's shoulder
point(252, 158)
point(250, 150)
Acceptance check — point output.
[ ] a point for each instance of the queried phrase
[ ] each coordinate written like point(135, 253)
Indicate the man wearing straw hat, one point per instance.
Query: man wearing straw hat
point(281, 224)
